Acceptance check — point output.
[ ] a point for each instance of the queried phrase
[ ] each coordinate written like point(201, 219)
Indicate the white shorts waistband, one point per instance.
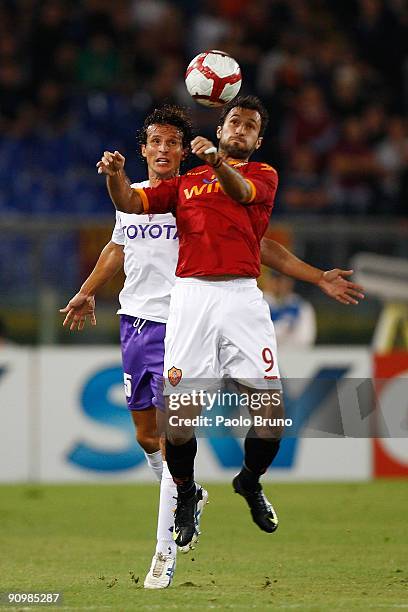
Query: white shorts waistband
point(196, 280)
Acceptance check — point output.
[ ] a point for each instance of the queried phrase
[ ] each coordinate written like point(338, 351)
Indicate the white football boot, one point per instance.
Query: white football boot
point(161, 572)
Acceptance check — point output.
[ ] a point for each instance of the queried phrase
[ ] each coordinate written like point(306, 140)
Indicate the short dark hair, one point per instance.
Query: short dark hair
point(169, 114)
point(249, 102)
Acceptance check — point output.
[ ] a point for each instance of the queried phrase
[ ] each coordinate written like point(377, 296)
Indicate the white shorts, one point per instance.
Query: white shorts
point(219, 330)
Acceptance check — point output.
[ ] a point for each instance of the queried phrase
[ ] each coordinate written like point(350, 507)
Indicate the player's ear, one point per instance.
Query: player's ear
point(143, 150)
point(219, 130)
point(186, 153)
point(259, 142)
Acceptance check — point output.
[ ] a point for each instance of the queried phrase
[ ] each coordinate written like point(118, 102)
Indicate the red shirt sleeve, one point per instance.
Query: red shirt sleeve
point(160, 199)
point(263, 180)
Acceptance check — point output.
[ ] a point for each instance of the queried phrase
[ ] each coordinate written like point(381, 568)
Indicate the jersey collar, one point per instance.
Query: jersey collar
point(236, 162)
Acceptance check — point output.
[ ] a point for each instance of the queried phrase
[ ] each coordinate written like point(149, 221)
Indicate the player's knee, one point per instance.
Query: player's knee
point(263, 433)
point(177, 438)
point(268, 433)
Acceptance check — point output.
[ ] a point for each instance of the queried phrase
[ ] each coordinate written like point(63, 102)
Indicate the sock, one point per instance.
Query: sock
point(259, 454)
point(155, 461)
point(250, 481)
point(165, 522)
point(180, 461)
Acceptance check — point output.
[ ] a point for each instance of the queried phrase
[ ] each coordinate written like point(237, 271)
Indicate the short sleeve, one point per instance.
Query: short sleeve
point(263, 180)
point(118, 236)
point(161, 199)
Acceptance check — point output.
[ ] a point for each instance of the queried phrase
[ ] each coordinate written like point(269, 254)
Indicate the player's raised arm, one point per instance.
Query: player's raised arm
point(332, 282)
point(124, 198)
point(231, 181)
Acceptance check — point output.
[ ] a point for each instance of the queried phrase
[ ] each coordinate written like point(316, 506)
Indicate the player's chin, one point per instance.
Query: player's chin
point(164, 169)
point(237, 151)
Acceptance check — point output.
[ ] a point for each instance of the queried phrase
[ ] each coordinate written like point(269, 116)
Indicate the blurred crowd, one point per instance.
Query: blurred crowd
point(77, 77)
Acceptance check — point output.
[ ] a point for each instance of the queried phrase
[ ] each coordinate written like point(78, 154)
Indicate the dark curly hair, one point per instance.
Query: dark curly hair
point(169, 114)
point(249, 102)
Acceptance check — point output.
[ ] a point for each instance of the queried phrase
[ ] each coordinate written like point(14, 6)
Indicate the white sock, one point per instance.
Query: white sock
point(155, 461)
point(165, 522)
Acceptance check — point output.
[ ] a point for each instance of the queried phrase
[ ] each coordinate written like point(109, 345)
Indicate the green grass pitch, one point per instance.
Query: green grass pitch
point(338, 547)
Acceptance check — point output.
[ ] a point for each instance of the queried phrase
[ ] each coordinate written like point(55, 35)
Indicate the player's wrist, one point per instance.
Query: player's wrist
point(319, 277)
point(218, 162)
point(86, 293)
point(117, 172)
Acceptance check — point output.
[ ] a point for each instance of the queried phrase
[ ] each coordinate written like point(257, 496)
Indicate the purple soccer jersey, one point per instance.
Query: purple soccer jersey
point(142, 345)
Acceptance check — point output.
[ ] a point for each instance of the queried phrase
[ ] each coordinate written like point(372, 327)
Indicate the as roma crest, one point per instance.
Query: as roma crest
point(174, 375)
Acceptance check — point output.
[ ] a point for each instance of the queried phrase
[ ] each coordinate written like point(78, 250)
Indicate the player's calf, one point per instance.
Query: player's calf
point(146, 429)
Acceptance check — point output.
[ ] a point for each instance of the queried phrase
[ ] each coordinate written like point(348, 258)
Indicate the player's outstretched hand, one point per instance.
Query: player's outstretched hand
point(335, 284)
point(77, 310)
point(110, 163)
point(200, 145)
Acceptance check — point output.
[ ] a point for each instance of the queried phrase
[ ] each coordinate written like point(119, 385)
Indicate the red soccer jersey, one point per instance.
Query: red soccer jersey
point(218, 236)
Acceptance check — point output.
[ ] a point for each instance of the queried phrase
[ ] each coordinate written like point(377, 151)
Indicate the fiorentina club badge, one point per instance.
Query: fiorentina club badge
point(174, 375)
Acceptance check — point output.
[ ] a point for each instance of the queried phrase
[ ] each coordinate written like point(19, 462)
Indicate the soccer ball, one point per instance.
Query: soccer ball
point(213, 78)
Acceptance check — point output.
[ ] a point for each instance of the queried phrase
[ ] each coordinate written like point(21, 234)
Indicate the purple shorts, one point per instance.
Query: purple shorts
point(142, 345)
